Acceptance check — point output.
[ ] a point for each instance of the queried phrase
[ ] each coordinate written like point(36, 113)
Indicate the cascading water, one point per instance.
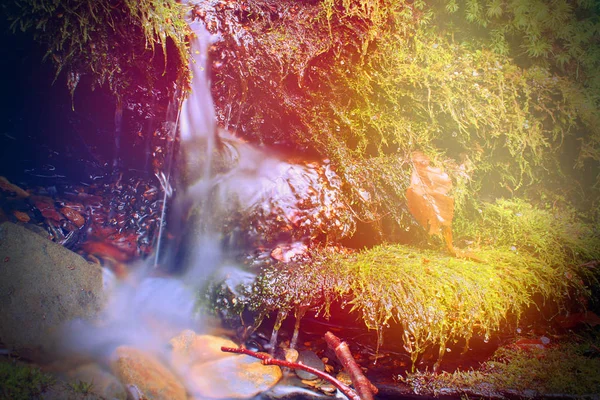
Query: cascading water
point(144, 310)
point(232, 198)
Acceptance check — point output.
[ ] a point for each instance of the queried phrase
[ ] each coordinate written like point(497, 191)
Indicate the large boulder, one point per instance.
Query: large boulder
point(42, 286)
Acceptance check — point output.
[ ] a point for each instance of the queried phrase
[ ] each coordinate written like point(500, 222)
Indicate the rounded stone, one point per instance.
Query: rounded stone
point(236, 377)
point(155, 381)
point(42, 286)
point(310, 359)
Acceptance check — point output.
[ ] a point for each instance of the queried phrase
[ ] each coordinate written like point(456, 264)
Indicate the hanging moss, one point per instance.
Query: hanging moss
point(504, 126)
point(365, 83)
point(113, 42)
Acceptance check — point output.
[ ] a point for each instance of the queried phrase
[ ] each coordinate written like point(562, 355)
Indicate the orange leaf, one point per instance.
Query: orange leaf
point(21, 216)
point(6, 186)
point(428, 200)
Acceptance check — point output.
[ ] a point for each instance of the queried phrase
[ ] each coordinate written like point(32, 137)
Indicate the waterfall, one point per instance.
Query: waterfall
point(200, 250)
point(137, 305)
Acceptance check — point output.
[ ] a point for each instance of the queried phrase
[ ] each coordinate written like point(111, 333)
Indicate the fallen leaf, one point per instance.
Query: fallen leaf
point(21, 216)
point(73, 216)
point(285, 252)
point(9, 187)
point(102, 249)
point(46, 207)
point(428, 199)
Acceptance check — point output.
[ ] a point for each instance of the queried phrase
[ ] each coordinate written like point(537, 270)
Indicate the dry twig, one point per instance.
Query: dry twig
point(269, 360)
point(363, 386)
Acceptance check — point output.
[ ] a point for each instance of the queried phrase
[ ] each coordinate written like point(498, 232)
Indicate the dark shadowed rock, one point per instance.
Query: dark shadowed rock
point(309, 359)
point(42, 285)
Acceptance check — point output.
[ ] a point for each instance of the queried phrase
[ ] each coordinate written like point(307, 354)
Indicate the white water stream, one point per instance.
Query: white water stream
point(222, 177)
point(144, 310)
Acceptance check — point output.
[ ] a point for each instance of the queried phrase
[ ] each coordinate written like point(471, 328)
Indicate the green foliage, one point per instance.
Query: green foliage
point(560, 34)
point(112, 41)
point(554, 236)
point(21, 382)
point(567, 369)
point(82, 387)
point(504, 127)
point(365, 83)
point(374, 13)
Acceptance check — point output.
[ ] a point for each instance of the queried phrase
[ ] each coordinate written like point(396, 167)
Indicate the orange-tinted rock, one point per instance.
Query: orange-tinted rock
point(147, 373)
point(188, 348)
point(235, 377)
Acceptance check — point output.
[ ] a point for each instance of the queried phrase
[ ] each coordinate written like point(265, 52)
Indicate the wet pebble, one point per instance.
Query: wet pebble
point(188, 347)
point(309, 359)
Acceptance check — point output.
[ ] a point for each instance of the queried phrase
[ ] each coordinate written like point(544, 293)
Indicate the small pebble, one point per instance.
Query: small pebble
point(309, 359)
point(328, 388)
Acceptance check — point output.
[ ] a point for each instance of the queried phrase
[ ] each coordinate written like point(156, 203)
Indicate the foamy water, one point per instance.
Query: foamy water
point(144, 310)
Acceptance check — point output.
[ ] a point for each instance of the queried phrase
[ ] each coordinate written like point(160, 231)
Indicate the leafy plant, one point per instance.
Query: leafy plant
point(22, 382)
point(82, 387)
point(562, 35)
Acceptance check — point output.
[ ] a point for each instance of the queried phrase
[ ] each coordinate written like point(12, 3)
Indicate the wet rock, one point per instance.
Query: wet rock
point(229, 295)
point(292, 388)
point(189, 348)
point(104, 384)
point(310, 359)
point(235, 377)
point(42, 286)
point(155, 381)
point(261, 198)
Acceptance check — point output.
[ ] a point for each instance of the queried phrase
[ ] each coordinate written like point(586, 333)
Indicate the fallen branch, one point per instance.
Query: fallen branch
point(363, 386)
point(266, 359)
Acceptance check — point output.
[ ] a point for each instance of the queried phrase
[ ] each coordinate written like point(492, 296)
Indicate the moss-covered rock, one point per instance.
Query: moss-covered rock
point(566, 370)
point(517, 256)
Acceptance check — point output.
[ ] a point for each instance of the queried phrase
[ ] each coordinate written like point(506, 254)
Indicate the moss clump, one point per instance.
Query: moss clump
point(437, 298)
point(504, 127)
point(114, 42)
point(21, 382)
point(556, 237)
point(365, 83)
point(567, 369)
point(556, 34)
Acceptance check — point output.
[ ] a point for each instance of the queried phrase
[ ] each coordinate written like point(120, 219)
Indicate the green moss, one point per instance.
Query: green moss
point(504, 126)
point(567, 369)
point(21, 382)
point(559, 34)
point(112, 42)
point(82, 387)
point(523, 253)
point(378, 80)
point(555, 237)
